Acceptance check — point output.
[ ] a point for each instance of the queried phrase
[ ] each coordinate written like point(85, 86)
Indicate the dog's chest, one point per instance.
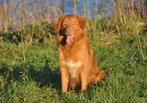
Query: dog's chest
point(73, 67)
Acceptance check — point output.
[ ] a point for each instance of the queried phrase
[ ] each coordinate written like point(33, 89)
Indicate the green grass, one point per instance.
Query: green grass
point(37, 78)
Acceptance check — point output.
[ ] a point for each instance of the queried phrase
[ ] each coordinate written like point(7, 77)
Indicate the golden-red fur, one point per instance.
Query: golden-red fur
point(77, 63)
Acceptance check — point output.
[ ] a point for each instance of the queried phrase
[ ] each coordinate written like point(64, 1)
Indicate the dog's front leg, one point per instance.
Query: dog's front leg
point(64, 79)
point(84, 82)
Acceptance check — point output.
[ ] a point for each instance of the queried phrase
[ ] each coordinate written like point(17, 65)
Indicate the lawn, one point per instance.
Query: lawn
point(30, 73)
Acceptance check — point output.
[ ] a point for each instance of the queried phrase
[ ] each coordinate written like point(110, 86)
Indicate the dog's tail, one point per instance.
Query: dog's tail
point(98, 77)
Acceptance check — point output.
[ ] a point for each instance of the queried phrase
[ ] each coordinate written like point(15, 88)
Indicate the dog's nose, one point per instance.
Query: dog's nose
point(68, 30)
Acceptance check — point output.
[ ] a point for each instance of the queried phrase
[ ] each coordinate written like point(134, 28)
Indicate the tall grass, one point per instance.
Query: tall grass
point(84, 8)
point(5, 16)
point(127, 17)
point(13, 13)
point(74, 2)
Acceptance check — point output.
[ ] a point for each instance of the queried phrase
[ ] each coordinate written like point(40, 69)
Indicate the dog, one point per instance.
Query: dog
point(78, 65)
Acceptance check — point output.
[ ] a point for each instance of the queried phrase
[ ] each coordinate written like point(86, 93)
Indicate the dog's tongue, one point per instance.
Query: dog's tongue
point(69, 39)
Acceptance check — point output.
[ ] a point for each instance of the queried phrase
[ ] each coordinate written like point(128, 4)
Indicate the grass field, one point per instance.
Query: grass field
point(29, 69)
point(37, 79)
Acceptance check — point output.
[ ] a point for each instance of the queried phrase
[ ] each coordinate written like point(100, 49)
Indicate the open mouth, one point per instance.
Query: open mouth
point(69, 39)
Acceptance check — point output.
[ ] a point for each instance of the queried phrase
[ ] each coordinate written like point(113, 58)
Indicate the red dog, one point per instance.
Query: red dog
point(77, 63)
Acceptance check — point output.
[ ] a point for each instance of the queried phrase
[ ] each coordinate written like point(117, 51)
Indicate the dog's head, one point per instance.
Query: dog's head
point(69, 28)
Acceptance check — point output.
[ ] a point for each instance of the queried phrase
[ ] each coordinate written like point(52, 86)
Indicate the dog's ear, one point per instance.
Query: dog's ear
point(57, 23)
point(82, 21)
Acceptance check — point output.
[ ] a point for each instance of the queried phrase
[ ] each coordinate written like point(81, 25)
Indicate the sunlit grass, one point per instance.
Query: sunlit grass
point(37, 79)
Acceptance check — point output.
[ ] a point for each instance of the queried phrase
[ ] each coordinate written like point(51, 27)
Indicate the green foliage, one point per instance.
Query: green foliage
point(39, 32)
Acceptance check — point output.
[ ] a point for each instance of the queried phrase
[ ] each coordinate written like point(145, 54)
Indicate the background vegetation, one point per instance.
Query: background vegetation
point(29, 70)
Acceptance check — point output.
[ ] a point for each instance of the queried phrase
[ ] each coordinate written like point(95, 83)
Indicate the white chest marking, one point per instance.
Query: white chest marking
point(72, 66)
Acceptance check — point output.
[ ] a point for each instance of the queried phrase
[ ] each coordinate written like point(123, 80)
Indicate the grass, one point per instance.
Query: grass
point(29, 69)
point(37, 79)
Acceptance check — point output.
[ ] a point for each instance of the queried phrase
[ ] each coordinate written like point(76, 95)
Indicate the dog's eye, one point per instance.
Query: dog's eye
point(74, 24)
point(64, 25)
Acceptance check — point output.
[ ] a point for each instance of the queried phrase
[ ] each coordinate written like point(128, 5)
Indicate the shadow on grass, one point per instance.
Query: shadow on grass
point(45, 77)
